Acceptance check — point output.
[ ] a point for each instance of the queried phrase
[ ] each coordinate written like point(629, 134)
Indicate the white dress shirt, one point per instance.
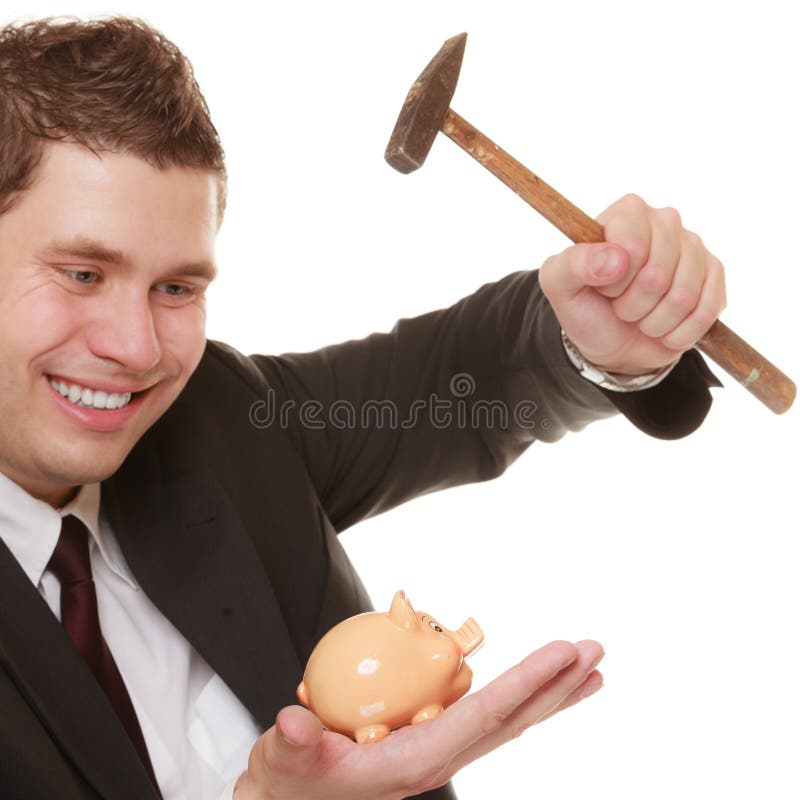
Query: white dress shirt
point(197, 732)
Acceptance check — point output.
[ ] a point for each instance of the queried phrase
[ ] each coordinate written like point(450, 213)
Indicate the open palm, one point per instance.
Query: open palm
point(297, 758)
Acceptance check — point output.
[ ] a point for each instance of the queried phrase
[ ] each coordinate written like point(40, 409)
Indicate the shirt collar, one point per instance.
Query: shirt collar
point(30, 528)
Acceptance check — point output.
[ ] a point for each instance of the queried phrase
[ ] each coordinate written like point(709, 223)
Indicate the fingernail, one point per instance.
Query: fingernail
point(605, 263)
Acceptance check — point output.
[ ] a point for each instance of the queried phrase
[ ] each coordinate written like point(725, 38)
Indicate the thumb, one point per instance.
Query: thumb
point(581, 265)
point(296, 727)
point(292, 744)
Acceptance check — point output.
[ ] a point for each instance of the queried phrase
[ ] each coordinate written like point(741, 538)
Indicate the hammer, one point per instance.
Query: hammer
point(427, 110)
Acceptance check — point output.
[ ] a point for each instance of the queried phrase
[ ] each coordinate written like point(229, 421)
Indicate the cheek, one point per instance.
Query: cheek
point(40, 321)
point(182, 334)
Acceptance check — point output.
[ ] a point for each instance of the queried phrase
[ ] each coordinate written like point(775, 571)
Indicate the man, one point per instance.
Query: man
point(210, 530)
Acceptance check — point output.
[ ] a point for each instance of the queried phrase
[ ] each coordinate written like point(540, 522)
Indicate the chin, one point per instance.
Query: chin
point(72, 471)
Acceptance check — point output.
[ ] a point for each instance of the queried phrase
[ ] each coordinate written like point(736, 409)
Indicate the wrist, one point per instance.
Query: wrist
point(606, 378)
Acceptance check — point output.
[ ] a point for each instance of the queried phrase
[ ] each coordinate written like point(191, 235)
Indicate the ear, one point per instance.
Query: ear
point(402, 614)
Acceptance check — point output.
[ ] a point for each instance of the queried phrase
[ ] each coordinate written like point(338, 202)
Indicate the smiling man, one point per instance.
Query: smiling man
point(168, 561)
point(104, 264)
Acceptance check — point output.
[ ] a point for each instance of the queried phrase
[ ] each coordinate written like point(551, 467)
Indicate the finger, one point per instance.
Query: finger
point(565, 275)
point(592, 684)
point(291, 746)
point(708, 309)
point(684, 294)
point(544, 703)
point(478, 714)
point(655, 277)
point(551, 697)
point(627, 224)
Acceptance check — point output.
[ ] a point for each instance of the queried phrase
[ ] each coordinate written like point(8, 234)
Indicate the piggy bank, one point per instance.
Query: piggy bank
point(375, 672)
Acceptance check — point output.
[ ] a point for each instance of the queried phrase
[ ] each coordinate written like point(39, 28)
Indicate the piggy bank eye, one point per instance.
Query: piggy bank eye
point(438, 628)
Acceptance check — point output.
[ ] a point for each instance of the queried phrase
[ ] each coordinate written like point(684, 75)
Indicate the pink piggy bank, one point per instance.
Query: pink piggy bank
point(376, 671)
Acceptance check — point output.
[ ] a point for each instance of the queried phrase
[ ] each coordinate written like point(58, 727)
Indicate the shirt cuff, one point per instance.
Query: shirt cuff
point(613, 381)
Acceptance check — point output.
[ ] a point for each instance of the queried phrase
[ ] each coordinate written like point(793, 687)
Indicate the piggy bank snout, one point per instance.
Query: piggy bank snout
point(468, 637)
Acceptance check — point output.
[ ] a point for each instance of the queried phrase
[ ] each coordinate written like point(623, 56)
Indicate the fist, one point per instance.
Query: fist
point(634, 303)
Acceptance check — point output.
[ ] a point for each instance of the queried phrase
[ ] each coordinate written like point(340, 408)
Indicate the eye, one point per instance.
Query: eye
point(435, 625)
point(83, 276)
point(178, 294)
point(173, 289)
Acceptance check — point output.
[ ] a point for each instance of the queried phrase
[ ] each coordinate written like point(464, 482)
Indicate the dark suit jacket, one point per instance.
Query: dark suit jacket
point(229, 518)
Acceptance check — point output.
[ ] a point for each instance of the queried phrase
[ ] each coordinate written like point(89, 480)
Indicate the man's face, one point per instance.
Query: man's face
point(103, 266)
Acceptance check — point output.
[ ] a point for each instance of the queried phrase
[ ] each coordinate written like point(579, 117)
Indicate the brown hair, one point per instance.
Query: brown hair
point(109, 84)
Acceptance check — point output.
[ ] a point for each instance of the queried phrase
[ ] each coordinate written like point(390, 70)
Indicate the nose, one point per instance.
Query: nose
point(468, 637)
point(126, 333)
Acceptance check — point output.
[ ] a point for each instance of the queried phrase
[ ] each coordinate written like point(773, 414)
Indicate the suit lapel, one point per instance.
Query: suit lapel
point(190, 553)
point(42, 661)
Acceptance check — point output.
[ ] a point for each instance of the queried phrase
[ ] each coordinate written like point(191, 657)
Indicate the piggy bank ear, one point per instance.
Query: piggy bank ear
point(402, 614)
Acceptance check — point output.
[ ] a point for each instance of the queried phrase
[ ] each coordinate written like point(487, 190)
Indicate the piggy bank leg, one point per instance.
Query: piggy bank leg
point(370, 733)
point(429, 712)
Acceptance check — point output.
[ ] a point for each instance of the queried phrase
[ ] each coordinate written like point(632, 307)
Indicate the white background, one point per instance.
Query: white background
point(680, 556)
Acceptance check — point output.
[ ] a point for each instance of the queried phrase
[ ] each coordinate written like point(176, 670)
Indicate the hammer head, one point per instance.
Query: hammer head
point(425, 108)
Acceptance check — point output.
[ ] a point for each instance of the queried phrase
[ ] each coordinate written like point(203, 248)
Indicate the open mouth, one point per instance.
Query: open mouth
point(85, 397)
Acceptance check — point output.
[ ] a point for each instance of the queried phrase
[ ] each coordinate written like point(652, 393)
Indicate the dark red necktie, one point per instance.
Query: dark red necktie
point(70, 564)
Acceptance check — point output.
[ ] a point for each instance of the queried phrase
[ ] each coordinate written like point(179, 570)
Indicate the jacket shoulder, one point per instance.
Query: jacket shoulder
point(224, 365)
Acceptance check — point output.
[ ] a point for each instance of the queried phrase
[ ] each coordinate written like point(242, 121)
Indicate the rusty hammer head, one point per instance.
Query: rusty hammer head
point(425, 108)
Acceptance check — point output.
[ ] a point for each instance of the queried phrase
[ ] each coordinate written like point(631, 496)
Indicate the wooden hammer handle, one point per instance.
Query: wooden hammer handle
point(758, 375)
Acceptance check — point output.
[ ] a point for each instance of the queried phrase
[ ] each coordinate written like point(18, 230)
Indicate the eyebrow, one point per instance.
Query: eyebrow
point(85, 248)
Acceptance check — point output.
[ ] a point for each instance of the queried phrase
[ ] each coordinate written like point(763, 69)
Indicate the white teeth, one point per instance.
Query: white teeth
point(91, 398)
point(99, 399)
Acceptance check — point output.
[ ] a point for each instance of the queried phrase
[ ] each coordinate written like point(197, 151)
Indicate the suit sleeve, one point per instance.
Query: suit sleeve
point(451, 397)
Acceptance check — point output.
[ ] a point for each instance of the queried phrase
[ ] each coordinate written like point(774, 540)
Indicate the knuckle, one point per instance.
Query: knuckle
point(633, 201)
point(670, 217)
point(628, 207)
point(654, 279)
point(693, 239)
point(681, 300)
point(515, 731)
point(492, 722)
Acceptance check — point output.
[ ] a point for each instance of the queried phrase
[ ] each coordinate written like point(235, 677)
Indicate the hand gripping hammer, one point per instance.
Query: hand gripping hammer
point(427, 110)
